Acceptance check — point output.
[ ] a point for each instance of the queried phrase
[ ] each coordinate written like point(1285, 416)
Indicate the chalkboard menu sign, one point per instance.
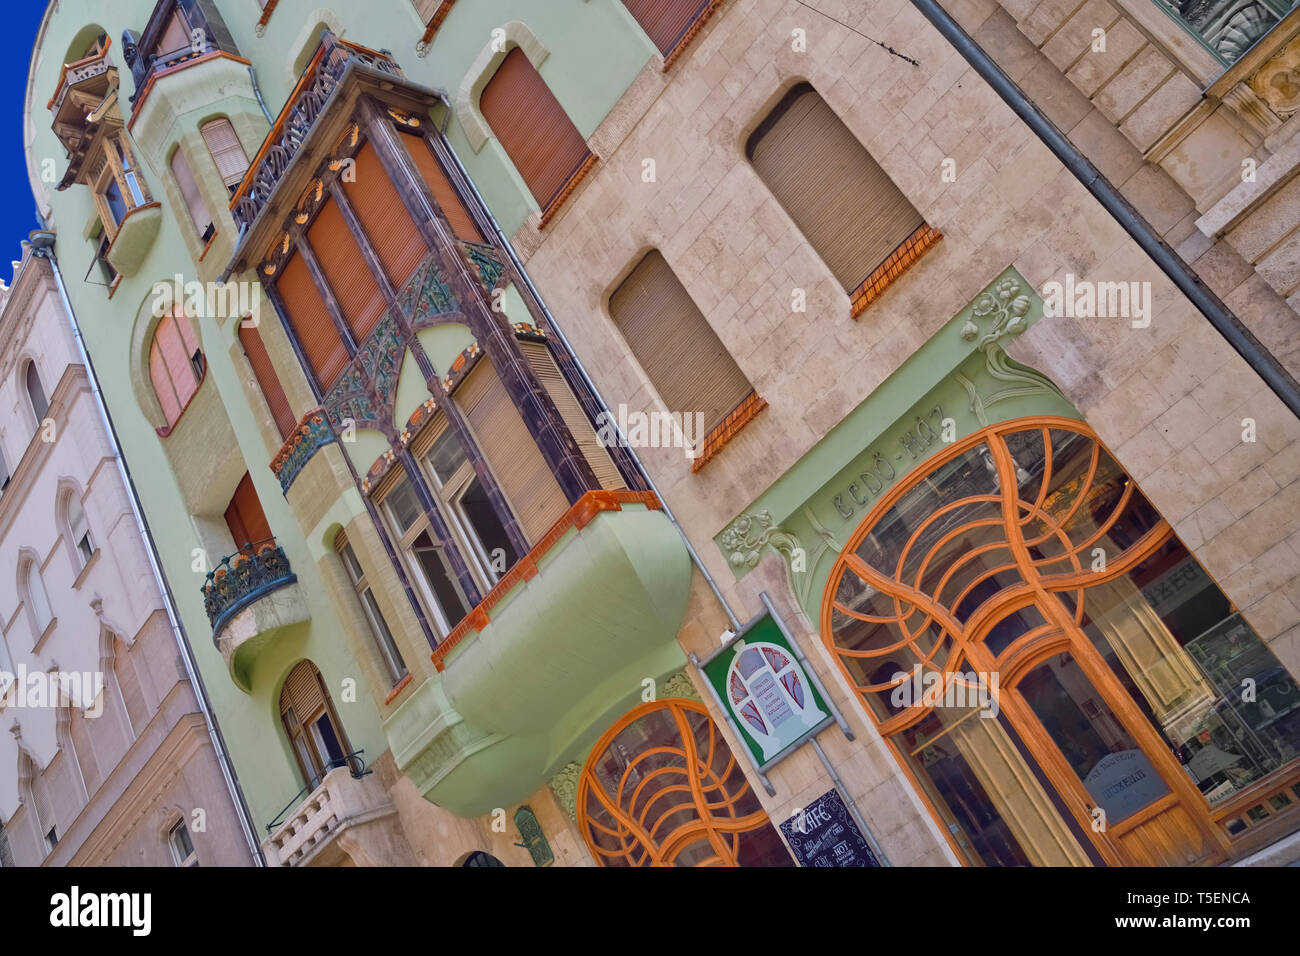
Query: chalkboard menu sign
point(823, 834)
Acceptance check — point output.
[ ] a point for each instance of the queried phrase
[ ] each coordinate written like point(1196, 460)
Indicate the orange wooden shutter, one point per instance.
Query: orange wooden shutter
point(539, 357)
point(388, 225)
point(665, 21)
point(532, 127)
point(516, 462)
point(462, 224)
point(311, 322)
point(838, 196)
point(681, 354)
point(162, 384)
point(267, 380)
point(227, 152)
point(198, 209)
point(350, 279)
point(244, 515)
point(170, 367)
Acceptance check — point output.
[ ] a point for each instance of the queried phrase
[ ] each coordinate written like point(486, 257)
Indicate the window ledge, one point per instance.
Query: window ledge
point(400, 686)
point(49, 629)
point(717, 439)
point(702, 18)
point(567, 189)
point(85, 569)
point(888, 272)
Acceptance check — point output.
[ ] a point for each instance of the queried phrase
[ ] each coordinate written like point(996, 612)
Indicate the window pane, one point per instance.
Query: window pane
point(327, 741)
point(403, 506)
point(440, 579)
point(351, 563)
point(1227, 707)
point(40, 600)
point(446, 455)
point(383, 637)
point(488, 528)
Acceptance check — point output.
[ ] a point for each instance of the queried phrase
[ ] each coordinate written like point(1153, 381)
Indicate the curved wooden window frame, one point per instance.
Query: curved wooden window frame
point(1062, 632)
point(707, 824)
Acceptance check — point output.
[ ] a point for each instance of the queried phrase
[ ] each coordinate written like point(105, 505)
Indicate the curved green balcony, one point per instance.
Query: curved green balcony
point(557, 651)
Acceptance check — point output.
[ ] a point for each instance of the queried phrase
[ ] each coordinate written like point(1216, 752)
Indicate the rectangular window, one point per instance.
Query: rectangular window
point(194, 202)
point(245, 518)
point(255, 351)
point(182, 847)
point(848, 209)
point(532, 127)
point(682, 356)
point(227, 152)
point(350, 279)
point(379, 630)
point(312, 326)
point(465, 503)
point(665, 22)
point(448, 200)
point(425, 558)
point(514, 458)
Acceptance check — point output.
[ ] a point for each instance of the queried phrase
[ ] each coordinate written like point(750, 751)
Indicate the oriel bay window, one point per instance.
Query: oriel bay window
point(848, 209)
point(313, 728)
point(423, 553)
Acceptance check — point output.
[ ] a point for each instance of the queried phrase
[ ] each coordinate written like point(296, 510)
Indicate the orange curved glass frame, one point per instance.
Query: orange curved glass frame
point(1039, 552)
point(680, 798)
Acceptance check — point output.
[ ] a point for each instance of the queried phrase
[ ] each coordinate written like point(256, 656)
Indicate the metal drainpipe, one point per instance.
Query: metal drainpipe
point(1188, 282)
point(45, 250)
point(582, 370)
point(257, 91)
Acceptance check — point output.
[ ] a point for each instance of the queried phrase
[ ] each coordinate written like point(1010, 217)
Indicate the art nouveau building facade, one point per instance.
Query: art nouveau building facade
point(107, 759)
point(382, 470)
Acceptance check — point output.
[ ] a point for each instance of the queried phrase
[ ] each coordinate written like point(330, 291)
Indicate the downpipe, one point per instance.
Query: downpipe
point(43, 246)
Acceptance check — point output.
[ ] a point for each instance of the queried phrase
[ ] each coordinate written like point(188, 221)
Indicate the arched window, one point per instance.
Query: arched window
point(176, 364)
point(36, 598)
point(532, 127)
point(227, 152)
point(77, 528)
point(846, 206)
point(662, 788)
point(36, 394)
point(313, 728)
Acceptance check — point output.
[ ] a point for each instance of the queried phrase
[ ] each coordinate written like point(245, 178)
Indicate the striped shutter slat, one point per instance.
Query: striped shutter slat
point(311, 322)
point(387, 223)
point(458, 217)
point(267, 380)
point(227, 152)
point(665, 21)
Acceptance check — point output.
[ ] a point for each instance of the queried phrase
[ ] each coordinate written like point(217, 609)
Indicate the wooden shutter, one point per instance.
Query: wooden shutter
point(532, 127)
point(840, 198)
point(665, 21)
point(171, 369)
point(678, 349)
point(244, 516)
point(227, 152)
point(128, 682)
point(539, 357)
point(517, 463)
point(267, 380)
point(356, 290)
point(449, 201)
point(199, 214)
point(387, 223)
point(312, 325)
point(303, 692)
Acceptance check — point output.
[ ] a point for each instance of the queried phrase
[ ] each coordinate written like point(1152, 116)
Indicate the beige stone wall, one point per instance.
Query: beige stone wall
point(1169, 399)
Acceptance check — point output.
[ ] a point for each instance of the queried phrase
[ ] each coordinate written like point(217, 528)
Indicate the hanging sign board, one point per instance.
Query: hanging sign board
point(758, 678)
point(824, 834)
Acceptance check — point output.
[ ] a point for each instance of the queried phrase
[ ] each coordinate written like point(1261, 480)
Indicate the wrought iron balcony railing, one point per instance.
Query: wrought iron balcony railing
point(242, 578)
point(352, 761)
point(305, 105)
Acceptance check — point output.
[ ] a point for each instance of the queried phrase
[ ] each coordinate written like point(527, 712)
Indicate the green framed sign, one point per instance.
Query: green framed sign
point(759, 678)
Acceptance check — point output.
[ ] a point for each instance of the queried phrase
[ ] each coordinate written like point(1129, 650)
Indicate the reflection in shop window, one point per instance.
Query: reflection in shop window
point(1227, 27)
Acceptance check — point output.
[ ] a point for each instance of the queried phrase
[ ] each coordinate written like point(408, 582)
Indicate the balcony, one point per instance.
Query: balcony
point(554, 653)
point(347, 820)
point(293, 128)
point(251, 597)
point(83, 104)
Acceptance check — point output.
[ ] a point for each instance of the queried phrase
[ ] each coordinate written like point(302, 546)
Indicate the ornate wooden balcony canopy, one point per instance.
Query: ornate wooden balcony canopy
point(84, 105)
point(313, 120)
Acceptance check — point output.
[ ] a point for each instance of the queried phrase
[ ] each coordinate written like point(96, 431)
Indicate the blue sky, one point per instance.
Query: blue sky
point(17, 207)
